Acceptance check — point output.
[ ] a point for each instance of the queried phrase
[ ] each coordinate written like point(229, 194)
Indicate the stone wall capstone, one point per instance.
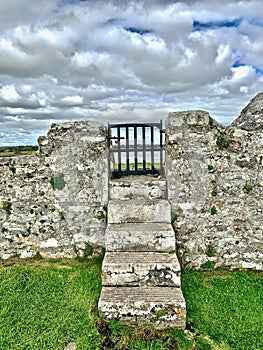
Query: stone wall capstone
point(53, 203)
point(215, 183)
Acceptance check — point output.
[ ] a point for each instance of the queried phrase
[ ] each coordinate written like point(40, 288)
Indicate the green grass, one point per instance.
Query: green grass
point(10, 151)
point(45, 304)
point(13, 154)
point(226, 307)
point(139, 165)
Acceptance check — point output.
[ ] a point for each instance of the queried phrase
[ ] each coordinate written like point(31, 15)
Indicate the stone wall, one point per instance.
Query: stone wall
point(52, 203)
point(215, 180)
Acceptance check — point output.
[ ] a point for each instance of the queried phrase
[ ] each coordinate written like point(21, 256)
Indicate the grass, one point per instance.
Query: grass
point(10, 151)
point(139, 165)
point(45, 304)
point(12, 154)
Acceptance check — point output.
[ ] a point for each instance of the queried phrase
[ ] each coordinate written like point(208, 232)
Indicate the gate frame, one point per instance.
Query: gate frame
point(136, 171)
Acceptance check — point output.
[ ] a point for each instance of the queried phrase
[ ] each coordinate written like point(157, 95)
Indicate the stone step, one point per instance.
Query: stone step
point(130, 187)
point(140, 269)
point(139, 210)
point(160, 307)
point(140, 237)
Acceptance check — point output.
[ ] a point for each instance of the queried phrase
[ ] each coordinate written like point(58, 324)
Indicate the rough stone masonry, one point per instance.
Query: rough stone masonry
point(215, 183)
point(54, 203)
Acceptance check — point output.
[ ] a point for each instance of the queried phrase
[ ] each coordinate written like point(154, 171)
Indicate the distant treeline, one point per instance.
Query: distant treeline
point(16, 150)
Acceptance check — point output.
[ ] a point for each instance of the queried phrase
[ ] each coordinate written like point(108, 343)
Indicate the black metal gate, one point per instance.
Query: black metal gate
point(135, 149)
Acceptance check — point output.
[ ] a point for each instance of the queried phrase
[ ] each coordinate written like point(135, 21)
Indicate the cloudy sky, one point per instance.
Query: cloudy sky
point(126, 61)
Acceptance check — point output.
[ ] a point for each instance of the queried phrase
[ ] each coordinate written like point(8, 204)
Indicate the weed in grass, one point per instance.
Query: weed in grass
point(88, 250)
point(208, 265)
point(37, 256)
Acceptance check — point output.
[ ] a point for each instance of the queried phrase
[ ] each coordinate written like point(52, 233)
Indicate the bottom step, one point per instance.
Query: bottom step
point(161, 307)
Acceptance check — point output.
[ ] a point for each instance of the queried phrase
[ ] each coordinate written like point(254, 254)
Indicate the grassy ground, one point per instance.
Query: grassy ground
point(139, 165)
point(10, 151)
point(47, 304)
point(12, 154)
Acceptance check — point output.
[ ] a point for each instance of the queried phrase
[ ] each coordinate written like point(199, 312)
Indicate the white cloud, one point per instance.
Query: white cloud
point(9, 94)
point(117, 61)
point(243, 72)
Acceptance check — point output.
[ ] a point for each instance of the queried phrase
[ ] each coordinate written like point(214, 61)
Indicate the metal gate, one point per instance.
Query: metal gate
point(135, 149)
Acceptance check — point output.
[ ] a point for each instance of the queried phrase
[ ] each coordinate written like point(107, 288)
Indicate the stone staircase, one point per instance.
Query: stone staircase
point(140, 272)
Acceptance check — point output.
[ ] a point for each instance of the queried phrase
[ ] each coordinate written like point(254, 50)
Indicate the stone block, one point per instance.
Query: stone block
point(140, 268)
point(140, 237)
point(130, 187)
point(160, 307)
point(139, 211)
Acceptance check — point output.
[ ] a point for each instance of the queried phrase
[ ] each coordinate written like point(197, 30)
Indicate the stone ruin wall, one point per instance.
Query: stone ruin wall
point(55, 220)
point(214, 177)
point(215, 185)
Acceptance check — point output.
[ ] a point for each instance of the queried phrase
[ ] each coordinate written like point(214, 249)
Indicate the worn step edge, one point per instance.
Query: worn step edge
point(158, 306)
point(140, 237)
point(139, 211)
point(137, 187)
point(140, 268)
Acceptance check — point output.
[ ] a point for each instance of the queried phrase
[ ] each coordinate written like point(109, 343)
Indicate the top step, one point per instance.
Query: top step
point(143, 186)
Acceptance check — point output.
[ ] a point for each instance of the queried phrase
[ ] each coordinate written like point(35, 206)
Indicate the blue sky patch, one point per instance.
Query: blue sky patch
point(237, 64)
point(258, 70)
point(138, 30)
point(65, 2)
point(257, 22)
point(217, 24)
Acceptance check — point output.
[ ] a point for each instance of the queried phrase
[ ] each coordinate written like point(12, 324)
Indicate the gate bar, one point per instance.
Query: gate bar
point(161, 146)
point(119, 148)
point(152, 148)
point(135, 149)
point(143, 149)
point(127, 149)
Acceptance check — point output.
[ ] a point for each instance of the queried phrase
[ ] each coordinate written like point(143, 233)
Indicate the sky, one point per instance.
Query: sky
point(124, 61)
